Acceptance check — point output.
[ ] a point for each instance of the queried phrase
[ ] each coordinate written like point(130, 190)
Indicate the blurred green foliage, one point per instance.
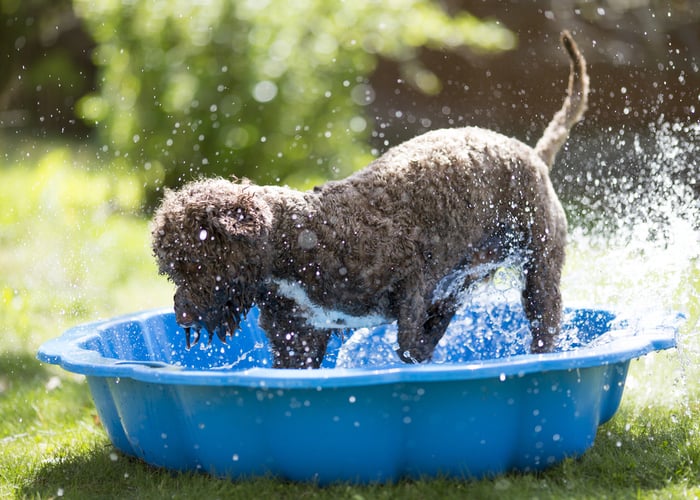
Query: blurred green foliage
point(73, 244)
point(268, 89)
point(45, 66)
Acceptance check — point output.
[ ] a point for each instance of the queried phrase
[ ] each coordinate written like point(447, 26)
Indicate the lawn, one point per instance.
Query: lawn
point(74, 247)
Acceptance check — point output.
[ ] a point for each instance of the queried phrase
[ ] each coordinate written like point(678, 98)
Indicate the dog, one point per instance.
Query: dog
point(400, 240)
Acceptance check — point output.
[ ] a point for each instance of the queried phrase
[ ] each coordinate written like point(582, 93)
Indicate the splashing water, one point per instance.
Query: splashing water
point(642, 256)
point(642, 252)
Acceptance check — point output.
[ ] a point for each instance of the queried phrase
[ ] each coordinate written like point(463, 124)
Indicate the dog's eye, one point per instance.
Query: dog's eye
point(240, 214)
point(235, 216)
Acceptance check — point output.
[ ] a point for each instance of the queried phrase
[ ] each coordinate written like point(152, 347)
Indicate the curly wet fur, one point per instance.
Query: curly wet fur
point(398, 240)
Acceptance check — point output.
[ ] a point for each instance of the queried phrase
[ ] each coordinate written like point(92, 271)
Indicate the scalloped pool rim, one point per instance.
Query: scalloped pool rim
point(73, 351)
point(358, 425)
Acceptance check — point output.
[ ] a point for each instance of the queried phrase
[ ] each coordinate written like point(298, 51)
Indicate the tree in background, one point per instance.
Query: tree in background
point(268, 89)
point(45, 68)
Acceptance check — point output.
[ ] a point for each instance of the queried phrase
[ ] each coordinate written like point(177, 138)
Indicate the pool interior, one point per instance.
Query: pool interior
point(475, 334)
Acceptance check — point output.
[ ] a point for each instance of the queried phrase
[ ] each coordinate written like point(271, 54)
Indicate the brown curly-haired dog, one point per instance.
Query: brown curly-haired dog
point(399, 240)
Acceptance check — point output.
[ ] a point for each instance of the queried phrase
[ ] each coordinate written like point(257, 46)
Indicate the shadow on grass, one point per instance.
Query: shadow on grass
point(105, 473)
point(656, 458)
point(646, 452)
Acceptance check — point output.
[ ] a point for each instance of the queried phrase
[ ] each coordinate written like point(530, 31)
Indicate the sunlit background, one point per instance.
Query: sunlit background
point(104, 104)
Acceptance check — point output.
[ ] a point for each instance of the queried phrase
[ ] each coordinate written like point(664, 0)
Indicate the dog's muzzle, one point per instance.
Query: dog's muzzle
point(222, 318)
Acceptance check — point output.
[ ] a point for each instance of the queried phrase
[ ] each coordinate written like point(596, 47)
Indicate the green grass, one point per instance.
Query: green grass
point(73, 248)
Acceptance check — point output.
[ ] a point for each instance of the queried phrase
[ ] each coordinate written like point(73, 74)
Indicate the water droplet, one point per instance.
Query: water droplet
point(53, 383)
point(358, 124)
point(307, 239)
point(363, 94)
point(264, 91)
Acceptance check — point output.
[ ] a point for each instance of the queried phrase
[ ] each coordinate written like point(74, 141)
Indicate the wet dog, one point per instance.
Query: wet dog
point(400, 240)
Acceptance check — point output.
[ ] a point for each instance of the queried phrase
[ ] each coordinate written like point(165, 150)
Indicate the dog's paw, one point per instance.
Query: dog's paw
point(414, 356)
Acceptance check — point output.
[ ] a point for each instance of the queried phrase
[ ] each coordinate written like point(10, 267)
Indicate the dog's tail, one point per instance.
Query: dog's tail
point(574, 106)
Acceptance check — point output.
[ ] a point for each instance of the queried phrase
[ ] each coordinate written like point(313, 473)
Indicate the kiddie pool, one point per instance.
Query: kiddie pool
point(483, 406)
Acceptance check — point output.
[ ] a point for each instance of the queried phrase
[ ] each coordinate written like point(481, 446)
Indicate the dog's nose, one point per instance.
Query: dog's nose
point(184, 319)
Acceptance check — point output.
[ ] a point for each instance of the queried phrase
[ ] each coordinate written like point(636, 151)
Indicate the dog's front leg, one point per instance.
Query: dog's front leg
point(299, 347)
point(439, 315)
point(293, 342)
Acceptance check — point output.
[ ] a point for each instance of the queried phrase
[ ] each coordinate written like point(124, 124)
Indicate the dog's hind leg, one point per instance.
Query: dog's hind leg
point(541, 297)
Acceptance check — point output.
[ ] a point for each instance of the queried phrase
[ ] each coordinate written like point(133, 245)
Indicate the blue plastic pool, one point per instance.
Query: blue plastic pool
point(483, 407)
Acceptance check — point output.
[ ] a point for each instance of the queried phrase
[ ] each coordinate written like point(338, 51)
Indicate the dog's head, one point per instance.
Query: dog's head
point(210, 239)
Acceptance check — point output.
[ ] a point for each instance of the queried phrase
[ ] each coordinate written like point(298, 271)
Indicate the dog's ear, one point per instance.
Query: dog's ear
point(249, 217)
